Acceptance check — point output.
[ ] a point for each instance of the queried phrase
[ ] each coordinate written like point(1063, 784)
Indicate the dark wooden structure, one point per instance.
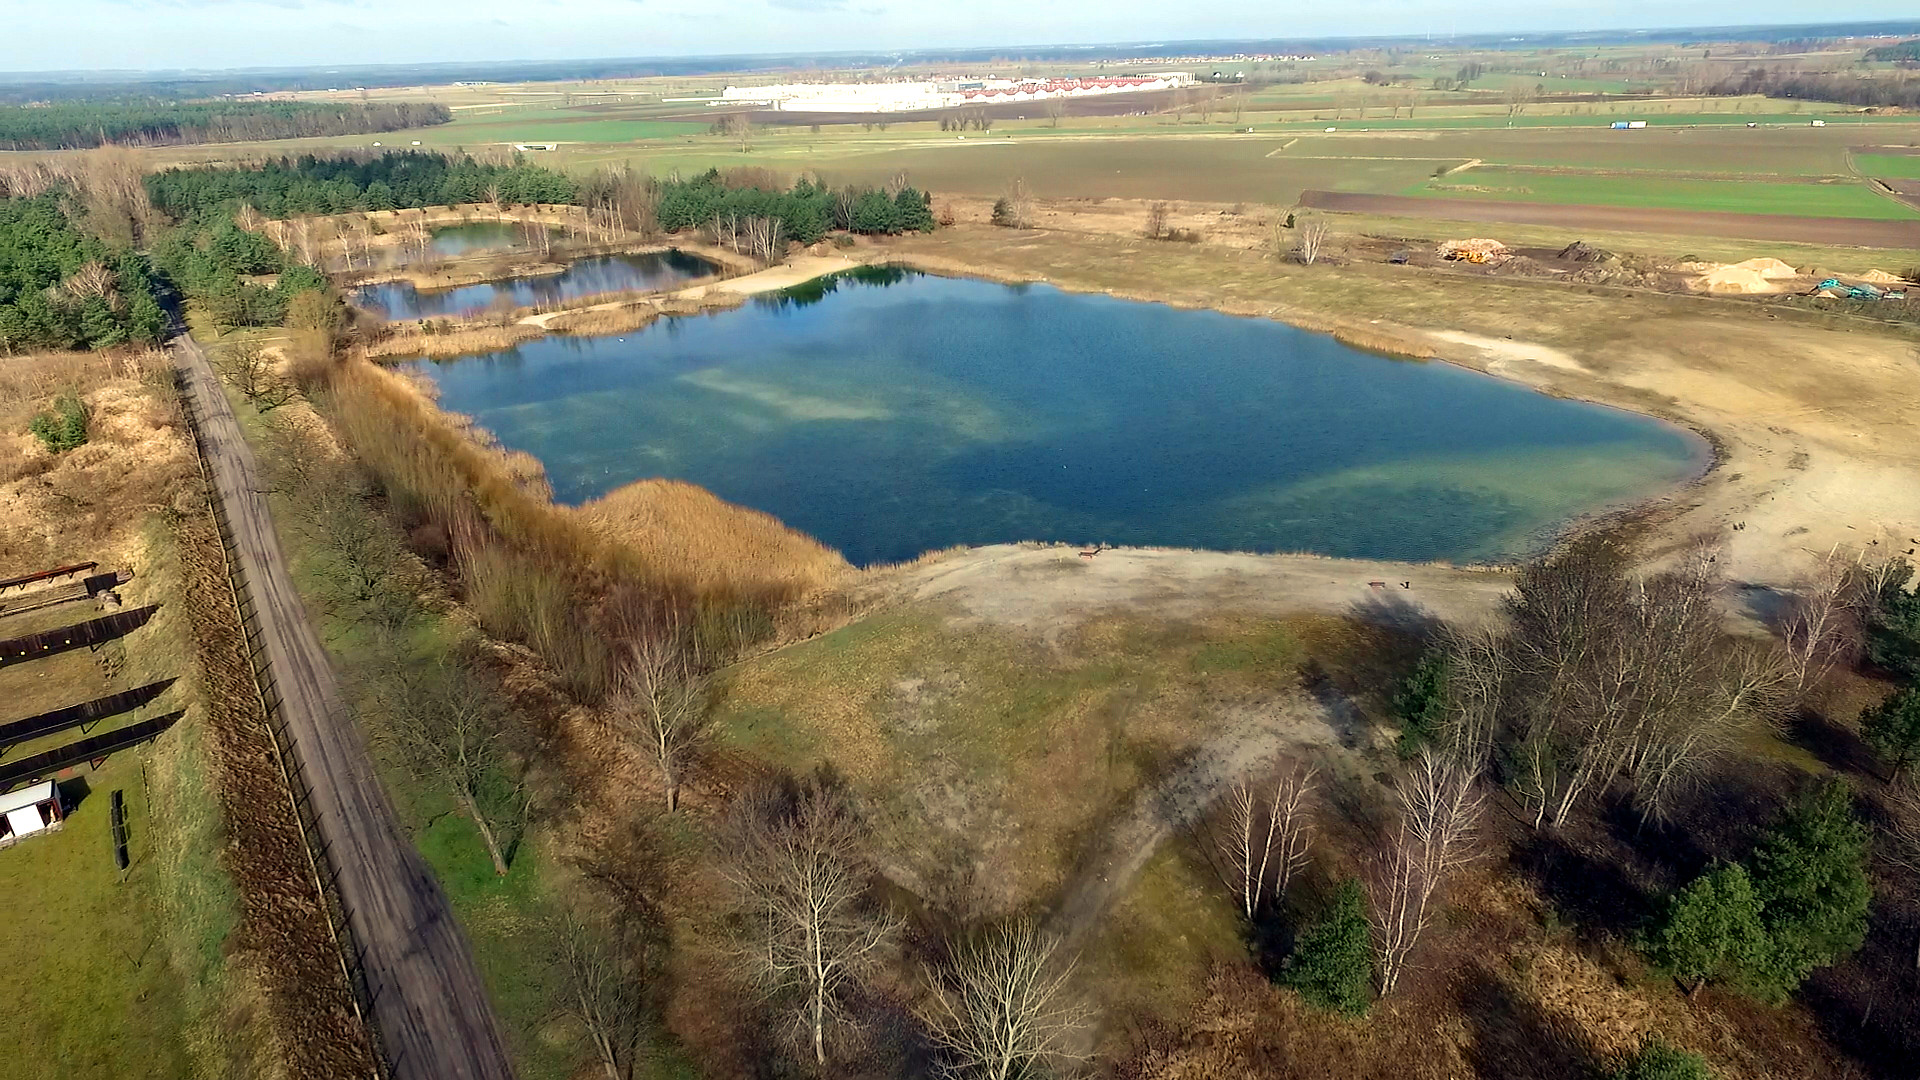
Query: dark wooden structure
point(81, 715)
point(79, 635)
point(94, 748)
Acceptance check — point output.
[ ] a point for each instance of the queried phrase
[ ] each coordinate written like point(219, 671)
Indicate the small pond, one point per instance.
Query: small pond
point(583, 277)
point(449, 241)
point(893, 413)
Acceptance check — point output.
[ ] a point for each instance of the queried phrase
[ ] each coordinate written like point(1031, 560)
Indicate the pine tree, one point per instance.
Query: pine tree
point(1809, 874)
point(1711, 931)
point(1892, 728)
point(1332, 963)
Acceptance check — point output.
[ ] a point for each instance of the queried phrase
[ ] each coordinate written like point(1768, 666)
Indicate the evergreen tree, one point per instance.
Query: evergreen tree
point(1893, 626)
point(1892, 728)
point(1332, 963)
point(1809, 874)
point(1421, 703)
point(1656, 1060)
point(63, 429)
point(1711, 931)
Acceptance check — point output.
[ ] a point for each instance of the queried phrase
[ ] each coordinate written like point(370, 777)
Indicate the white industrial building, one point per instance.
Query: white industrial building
point(32, 809)
point(923, 96)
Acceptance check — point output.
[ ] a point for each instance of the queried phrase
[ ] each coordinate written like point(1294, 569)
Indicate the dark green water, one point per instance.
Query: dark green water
point(889, 419)
point(583, 277)
point(476, 236)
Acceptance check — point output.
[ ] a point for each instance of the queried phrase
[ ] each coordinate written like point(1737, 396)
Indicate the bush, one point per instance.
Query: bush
point(63, 429)
point(1892, 728)
point(1711, 930)
point(1332, 965)
point(1655, 1060)
point(1810, 876)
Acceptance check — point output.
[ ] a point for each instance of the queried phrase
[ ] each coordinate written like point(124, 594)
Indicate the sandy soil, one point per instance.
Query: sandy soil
point(1052, 588)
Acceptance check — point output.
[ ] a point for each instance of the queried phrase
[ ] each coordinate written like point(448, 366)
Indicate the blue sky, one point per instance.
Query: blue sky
point(43, 35)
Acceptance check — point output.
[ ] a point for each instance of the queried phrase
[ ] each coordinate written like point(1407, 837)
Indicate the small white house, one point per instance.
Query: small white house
point(32, 809)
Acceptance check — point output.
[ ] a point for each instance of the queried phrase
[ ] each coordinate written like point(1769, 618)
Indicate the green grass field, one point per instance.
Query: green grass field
point(85, 947)
point(1889, 166)
point(1836, 199)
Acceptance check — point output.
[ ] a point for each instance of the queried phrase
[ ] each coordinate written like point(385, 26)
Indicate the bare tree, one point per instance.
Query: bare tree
point(800, 871)
point(1903, 828)
point(1440, 806)
point(1313, 236)
point(1821, 626)
point(252, 372)
point(661, 705)
point(1056, 107)
point(1264, 834)
point(1622, 677)
point(606, 966)
point(1015, 208)
point(1002, 1006)
point(738, 127)
point(450, 725)
point(1156, 220)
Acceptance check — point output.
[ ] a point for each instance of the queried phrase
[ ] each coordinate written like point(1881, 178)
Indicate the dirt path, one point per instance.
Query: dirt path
point(1258, 735)
point(1846, 232)
point(429, 1003)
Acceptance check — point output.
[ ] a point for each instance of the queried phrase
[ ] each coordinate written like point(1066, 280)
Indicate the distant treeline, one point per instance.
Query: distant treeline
point(332, 185)
point(63, 289)
point(1906, 50)
point(806, 211)
point(1870, 93)
point(82, 125)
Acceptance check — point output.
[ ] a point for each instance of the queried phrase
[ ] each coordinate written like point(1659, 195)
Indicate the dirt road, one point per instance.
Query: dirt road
point(429, 1002)
point(1848, 232)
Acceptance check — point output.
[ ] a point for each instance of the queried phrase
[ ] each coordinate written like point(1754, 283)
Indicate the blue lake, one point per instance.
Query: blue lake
point(903, 413)
point(583, 277)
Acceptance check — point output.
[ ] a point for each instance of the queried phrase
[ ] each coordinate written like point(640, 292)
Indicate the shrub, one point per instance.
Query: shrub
point(1656, 1060)
point(1892, 728)
point(63, 429)
point(1332, 965)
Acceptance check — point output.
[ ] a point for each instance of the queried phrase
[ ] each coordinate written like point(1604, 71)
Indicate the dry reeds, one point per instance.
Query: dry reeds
point(556, 580)
point(605, 320)
point(415, 340)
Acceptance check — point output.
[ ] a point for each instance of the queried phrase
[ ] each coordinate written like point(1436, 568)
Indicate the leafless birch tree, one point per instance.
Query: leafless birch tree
point(800, 871)
point(1821, 626)
point(1263, 836)
point(1440, 806)
point(1002, 1005)
point(661, 705)
point(1312, 241)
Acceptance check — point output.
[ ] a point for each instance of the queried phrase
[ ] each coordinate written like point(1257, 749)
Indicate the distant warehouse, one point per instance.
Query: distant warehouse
point(919, 96)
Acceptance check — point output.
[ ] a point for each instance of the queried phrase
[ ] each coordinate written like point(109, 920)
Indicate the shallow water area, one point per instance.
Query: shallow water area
point(889, 414)
point(582, 277)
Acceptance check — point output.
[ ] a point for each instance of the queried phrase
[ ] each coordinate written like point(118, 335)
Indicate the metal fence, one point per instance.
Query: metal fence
point(287, 752)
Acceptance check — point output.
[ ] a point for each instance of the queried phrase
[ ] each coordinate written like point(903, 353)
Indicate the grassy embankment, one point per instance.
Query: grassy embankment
point(415, 551)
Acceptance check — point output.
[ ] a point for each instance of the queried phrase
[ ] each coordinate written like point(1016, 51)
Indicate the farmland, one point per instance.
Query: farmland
point(1812, 198)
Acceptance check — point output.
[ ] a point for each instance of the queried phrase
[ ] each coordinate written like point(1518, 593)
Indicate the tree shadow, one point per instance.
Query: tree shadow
point(1593, 890)
point(1837, 748)
point(1396, 609)
point(1512, 1039)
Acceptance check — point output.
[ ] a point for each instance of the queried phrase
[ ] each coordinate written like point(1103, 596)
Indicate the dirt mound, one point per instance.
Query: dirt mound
point(1475, 250)
point(1581, 251)
point(1881, 277)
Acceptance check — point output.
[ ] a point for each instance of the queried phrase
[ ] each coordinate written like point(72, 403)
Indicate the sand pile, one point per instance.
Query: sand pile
point(1477, 250)
point(1881, 277)
point(1767, 268)
point(1735, 279)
